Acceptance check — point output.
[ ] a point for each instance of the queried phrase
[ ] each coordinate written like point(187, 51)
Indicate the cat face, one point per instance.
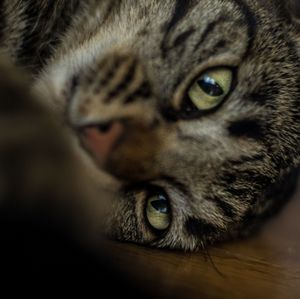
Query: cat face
point(192, 105)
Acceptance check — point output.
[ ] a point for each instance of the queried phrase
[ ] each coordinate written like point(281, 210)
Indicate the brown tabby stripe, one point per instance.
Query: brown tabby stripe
point(108, 71)
point(266, 95)
point(2, 20)
point(257, 181)
point(247, 128)
point(251, 22)
point(213, 50)
point(227, 209)
point(74, 83)
point(199, 228)
point(209, 30)
point(123, 84)
point(181, 9)
point(183, 37)
point(143, 92)
point(46, 22)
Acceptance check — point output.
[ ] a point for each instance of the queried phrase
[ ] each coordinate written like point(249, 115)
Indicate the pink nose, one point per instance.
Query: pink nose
point(100, 140)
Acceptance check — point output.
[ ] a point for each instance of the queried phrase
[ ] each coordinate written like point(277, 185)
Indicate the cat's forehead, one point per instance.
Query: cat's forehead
point(171, 21)
point(177, 36)
point(179, 20)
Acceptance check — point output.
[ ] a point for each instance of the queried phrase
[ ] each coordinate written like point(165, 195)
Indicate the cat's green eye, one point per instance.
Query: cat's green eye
point(211, 88)
point(158, 212)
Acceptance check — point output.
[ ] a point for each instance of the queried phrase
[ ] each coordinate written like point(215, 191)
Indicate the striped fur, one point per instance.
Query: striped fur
point(223, 171)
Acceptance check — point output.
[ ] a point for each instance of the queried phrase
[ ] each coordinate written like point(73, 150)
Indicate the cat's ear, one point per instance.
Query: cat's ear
point(293, 7)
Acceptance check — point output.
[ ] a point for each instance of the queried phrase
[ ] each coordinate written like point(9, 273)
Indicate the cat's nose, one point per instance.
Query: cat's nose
point(101, 139)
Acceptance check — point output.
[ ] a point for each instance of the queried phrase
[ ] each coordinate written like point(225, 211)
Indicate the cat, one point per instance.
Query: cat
point(191, 107)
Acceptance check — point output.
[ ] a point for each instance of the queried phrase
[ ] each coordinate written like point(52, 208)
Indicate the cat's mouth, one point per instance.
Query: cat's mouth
point(128, 151)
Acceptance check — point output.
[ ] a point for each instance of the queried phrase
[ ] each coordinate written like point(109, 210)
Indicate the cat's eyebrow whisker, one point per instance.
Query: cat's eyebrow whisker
point(213, 263)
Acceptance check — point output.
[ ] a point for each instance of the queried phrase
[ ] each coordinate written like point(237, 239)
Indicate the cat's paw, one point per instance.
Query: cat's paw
point(39, 166)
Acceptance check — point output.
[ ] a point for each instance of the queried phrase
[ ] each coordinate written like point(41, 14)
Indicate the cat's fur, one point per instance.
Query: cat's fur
point(92, 62)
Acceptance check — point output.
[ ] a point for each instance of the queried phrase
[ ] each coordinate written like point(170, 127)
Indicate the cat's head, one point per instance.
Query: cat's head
point(192, 105)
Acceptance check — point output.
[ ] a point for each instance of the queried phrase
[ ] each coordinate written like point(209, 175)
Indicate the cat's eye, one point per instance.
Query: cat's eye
point(211, 88)
point(158, 212)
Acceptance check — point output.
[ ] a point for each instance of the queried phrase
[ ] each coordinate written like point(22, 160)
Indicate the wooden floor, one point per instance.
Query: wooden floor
point(265, 266)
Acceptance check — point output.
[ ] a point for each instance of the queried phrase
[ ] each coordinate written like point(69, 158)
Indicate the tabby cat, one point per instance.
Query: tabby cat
point(192, 107)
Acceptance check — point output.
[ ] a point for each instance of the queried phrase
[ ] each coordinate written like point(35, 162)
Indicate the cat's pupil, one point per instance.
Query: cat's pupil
point(160, 205)
point(210, 86)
